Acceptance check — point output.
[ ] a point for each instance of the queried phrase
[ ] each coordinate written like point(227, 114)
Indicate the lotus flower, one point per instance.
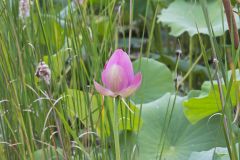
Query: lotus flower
point(118, 76)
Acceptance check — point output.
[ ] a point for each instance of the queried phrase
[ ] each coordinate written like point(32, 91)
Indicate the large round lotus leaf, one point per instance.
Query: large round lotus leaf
point(217, 153)
point(182, 16)
point(181, 138)
point(156, 80)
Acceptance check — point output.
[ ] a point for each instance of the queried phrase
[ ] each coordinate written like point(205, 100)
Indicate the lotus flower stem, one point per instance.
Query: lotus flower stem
point(115, 129)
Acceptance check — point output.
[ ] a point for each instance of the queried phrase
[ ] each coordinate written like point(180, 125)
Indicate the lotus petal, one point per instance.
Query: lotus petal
point(122, 59)
point(114, 78)
point(103, 91)
point(133, 87)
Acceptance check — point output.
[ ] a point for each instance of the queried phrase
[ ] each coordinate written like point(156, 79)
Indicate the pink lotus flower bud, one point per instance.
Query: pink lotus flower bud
point(118, 76)
point(43, 72)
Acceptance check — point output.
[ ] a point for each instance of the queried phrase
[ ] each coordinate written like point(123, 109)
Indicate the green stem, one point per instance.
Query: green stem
point(115, 129)
point(191, 61)
point(130, 25)
point(231, 22)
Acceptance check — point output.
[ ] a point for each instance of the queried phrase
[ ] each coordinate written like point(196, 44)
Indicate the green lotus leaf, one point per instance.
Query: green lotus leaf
point(218, 153)
point(157, 80)
point(182, 16)
point(180, 138)
point(204, 103)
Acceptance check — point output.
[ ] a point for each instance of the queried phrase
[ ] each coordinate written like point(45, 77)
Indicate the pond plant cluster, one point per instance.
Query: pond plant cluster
point(119, 80)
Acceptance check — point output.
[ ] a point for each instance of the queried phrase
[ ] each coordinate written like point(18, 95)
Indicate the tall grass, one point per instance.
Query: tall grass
point(34, 115)
point(223, 61)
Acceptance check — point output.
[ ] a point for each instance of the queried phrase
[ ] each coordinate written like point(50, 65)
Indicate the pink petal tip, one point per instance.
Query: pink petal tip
point(133, 87)
point(103, 91)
